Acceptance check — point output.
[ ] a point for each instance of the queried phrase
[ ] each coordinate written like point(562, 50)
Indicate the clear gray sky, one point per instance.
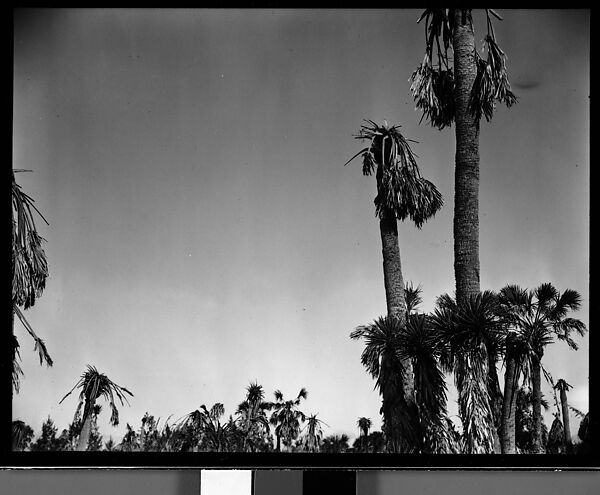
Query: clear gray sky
point(204, 231)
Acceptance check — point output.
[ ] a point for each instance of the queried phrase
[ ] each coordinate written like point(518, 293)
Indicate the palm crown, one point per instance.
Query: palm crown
point(401, 190)
point(95, 385)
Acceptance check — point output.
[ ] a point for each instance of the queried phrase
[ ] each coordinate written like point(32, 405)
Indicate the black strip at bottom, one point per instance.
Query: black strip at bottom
point(318, 482)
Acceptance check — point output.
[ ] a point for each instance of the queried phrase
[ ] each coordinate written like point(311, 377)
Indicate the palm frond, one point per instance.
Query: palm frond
point(39, 345)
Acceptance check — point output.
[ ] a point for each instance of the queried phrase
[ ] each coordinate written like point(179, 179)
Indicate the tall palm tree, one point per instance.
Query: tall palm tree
point(472, 332)
point(95, 385)
point(562, 386)
point(401, 193)
point(460, 89)
point(286, 418)
point(536, 317)
point(29, 271)
point(364, 425)
point(253, 419)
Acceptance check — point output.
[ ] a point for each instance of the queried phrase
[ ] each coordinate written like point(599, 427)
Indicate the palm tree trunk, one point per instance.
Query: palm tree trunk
point(466, 187)
point(566, 422)
point(84, 435)
point(507, 428)
point(536, 386)
point(495, 395)
point(278, 442)
point(394, 291)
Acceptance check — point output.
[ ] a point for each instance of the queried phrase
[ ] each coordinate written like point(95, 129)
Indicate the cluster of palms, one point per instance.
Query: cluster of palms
point(257, 426)
point(471, 341)
point(408, 354)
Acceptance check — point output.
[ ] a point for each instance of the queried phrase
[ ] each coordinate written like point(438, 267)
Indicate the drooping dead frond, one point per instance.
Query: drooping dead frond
point(491, 83)
point(39, 346)
point(29, 265)
point(433, 91)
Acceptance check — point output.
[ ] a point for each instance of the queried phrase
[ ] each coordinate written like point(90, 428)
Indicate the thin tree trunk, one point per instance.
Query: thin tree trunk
point(536, 385)
point(496, 399)
point(566, 421)
point(507, 428)
point(86, 428)
point(466, 187)
point(278, 443)
point(396, 307)
point(394, 291)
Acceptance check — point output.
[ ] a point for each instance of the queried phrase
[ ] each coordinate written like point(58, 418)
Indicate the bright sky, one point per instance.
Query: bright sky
point(204, 232)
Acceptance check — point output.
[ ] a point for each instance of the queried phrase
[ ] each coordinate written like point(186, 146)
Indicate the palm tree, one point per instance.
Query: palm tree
point(472, 333)
point(364, 425)
point(562, 386)
point(29, 271)
point(387, 347)
point(401, 193)
point(22, 434)
point(535, 318)
point(311, 441)
point(423, 343)
point(335, 444)
point(202, 430)
point(253, 418)
point(381, 359)
point(461, 89)
point(93, 386)
point(286, 418)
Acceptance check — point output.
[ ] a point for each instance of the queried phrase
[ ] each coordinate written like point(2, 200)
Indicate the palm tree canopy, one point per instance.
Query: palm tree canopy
point(95, 385)
point(364, 425)
point(29, 264)
point(401, 190)
point(433, 82)
point(381, 340)
point(536, 316)
point(29, 270)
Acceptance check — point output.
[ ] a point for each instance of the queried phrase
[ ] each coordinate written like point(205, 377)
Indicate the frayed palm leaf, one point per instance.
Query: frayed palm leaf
point(29, 265)
point(433, 91)
point(491, 83)
point(577, 412)
point(39, 346)
point(17, 371)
